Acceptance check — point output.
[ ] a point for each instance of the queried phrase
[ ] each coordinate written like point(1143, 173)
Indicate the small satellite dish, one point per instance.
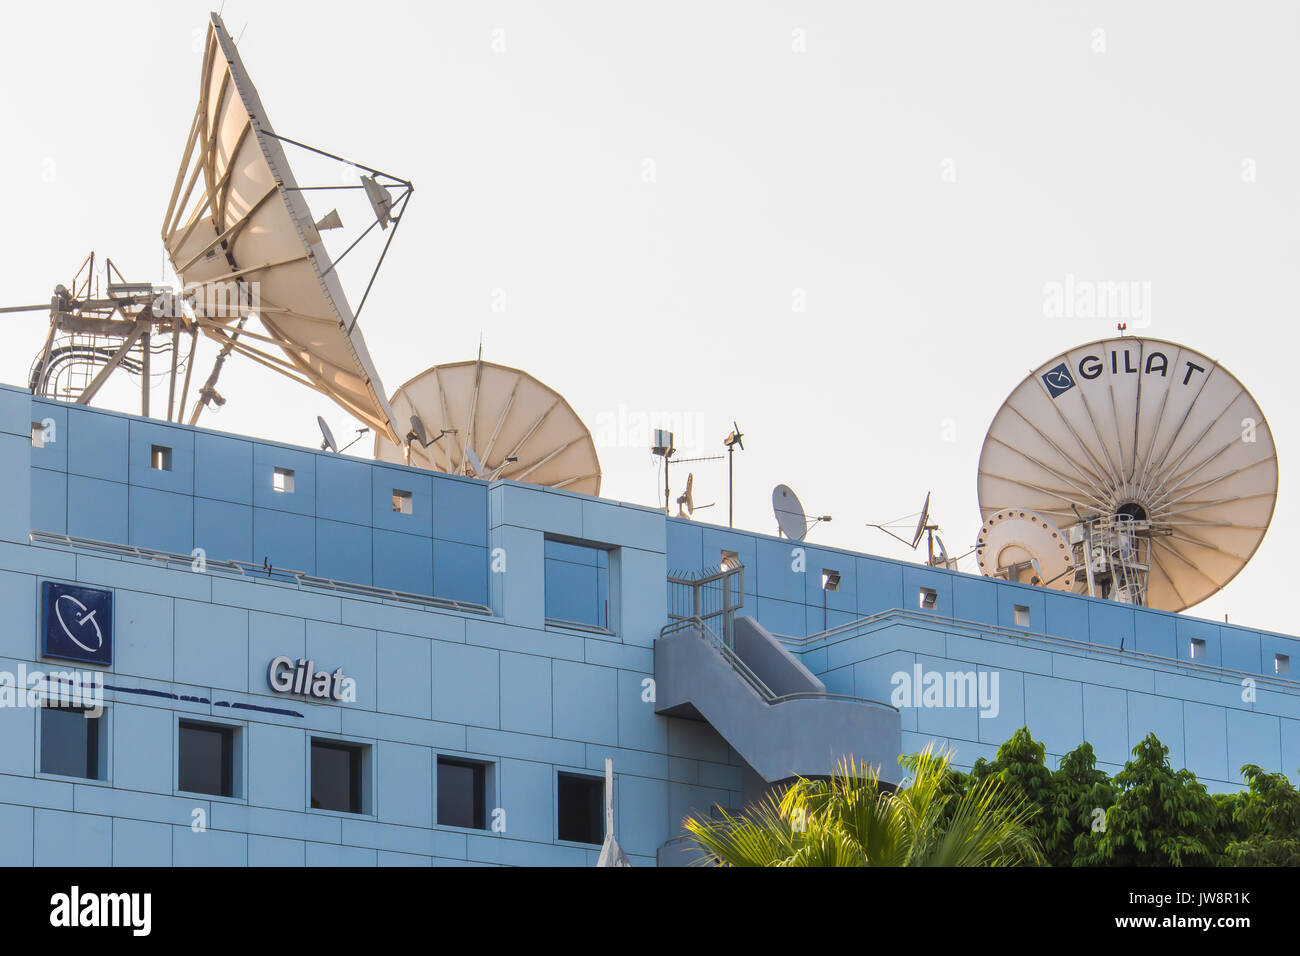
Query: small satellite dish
point(327, 436)
point(1023, 546)
point(417, 432)
point(686, 505)
point(921, 522)
point(790, 516)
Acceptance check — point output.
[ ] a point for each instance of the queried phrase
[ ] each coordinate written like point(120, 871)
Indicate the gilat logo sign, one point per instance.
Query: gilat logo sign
point(76, 623)
point(301, 677)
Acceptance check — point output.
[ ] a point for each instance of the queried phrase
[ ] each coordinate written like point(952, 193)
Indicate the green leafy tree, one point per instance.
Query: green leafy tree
point(1081, 794)
point(851, 820)
point(1160, 817)
point(1265, 821)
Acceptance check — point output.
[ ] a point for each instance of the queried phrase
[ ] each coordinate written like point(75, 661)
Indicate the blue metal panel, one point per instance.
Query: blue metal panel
point(1241, 650)
point(384, 482)
point(162, 520)
point(466, 684)
point(180, 444)
point(403, 562)
point(1206, 730)
point(585, 702)
point(1011, 595)
point(72, 839)
point(1155, 633)
point(97, 444)
point(405, 675)
point(343, 551)
point(1105, 722)
point(267, 458)
point(880, 586)
point(223, 468)
point(525, 693)
point(224, 530)
point(916, 578)
point(97, 509)
point(1054, 712)
point(844, 599)
point(342, 489)
point(685, 551)
point(49, 500)
point(460, 510)
point(783, 617)
point(1189, 629)
point(1065, 616)
point(1252, 738)
point(975, 599)
point(286, 540)
point(1162, 716)
point(777, 576)
point(211, 645)
point(1111, 624)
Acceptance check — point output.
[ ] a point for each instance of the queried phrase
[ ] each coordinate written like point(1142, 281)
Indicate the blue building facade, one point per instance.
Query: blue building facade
point(499, 638)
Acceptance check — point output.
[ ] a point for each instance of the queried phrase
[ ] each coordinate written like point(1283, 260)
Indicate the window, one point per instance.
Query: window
point(402, 502)
point(1281, 663)
point(1022, 615)
point(577, 584)
point(928, 599)
point(70, 742)
point(461, 793)
point(160, 458)
point(730, 559)
point(336, 776)
point(582, 808)
point(1197, 649)
point(206, 758)
point(282, 480)
point(38, 435)
point(830, 579)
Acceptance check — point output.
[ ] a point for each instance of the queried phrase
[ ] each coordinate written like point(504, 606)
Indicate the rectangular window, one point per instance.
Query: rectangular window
point(462, 798)
point(1197, 649)
point(1022, 615)
point(577, 584)
point(928, 598)
point(70, 742)
point(581, 808)
point(160, 458)
point(282, 480)
point(206, 758)
point(730, 559)
point(830, 579)
point(336, 782)
point(402, 503)
point(38, 435)
point(1281, 663)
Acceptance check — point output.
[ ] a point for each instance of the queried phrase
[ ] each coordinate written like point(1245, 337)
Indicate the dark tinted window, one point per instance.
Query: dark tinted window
point(69, 742)
point(207, 759)
point(461, 801)
point(335, 776)
point(582, 808)
point(577, 583)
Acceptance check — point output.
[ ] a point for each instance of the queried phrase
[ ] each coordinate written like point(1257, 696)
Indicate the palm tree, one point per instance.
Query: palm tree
point(850, 820)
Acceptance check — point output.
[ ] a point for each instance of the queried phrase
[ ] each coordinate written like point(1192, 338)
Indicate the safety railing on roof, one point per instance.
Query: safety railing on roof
point(747, 674)
point(1021, 635)
point(713, 595)
point(258, 572)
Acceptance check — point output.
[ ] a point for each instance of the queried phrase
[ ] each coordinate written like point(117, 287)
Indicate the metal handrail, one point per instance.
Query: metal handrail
point(855, 629)
point(251, 571)
point(748, 675)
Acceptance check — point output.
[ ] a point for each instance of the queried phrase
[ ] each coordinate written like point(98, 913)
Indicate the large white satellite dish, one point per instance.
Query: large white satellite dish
point(248, 222)
point(1153, 459)
point(495, 423)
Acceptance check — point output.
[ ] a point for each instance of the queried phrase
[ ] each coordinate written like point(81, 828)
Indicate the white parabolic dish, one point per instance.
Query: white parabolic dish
point(1144, 428)
point(498, 413)
point(248, 222)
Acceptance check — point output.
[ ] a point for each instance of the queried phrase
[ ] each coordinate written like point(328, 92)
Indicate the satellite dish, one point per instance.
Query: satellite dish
point(249, 223)
point(327, 436)
point(790, 516)
point(921, 521)
point(417, 432)
point(1154, 459)
point(517, 428)
point(1023, 546)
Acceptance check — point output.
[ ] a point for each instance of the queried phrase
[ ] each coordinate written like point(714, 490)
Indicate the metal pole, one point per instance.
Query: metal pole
point(731, 503)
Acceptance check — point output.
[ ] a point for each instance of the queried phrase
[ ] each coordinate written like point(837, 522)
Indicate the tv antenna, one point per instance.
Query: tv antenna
point(732, 442)
point(663, 448)
point(791, 519)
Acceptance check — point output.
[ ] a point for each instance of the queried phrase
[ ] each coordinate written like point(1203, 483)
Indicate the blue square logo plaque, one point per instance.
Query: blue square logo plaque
point(1058, 380)
point(76, 623)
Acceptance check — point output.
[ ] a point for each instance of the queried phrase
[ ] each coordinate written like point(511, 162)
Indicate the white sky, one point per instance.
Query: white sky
point(775, 170)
